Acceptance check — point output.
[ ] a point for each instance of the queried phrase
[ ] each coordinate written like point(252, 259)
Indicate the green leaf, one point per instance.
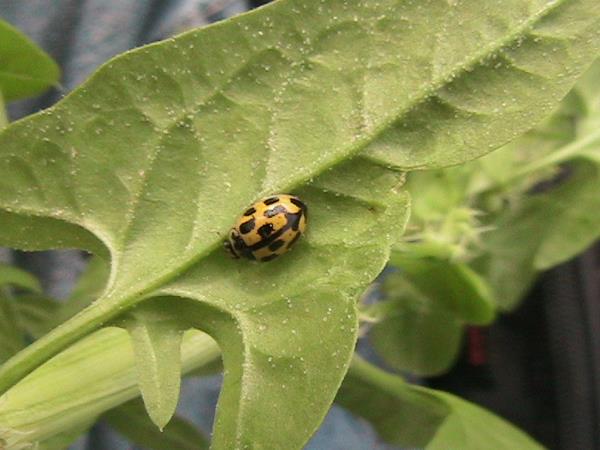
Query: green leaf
point(13, 276)
point(508, 170)
point(35, 314)
point(416, 334)
point(156, 339)
point(451, 284)
point(586, 141)
point(12, 337)
point(575, 212)
point(525, 241)
point(63, 440)
point(157, 154)
point(26, 69)
point(132, 421)
point(409, 415)
point(428, 302)
point(293, 343)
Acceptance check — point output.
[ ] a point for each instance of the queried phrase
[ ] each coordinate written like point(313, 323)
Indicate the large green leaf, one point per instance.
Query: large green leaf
point(415, 416)
point(25, 69)
point(155, 156)
point(63, 440)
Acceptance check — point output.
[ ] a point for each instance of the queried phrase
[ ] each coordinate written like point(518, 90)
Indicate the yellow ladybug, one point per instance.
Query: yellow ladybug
point(268, 228)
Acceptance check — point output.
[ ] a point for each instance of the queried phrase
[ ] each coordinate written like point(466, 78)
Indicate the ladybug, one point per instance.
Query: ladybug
point(269, 228)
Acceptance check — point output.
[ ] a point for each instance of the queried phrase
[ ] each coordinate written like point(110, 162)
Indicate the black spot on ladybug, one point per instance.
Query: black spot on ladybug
point(250, 211)
point(279, 209)
point(293, 241)
point(265, 230)
point(276, 245)
point(247, 227)
point(239, 244)
point(270, 200)
point(294, 221)
point(298, 203)
point(269, 258)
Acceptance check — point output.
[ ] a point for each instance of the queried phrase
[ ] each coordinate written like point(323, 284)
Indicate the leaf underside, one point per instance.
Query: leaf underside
point(155, 156)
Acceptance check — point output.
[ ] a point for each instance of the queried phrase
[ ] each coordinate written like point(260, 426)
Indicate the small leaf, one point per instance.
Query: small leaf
point(35, 314)
point(416, 334)
point(427, 304)
point(63, 440)
point(131, 420)
point(26, 69)
point(409, 415)
point(13, 276)
point(88, 288)
point(469, 426)
point(12, 332)
point(451, 284)
point(524, 240)
point(156, 340)
point(11, 336)
point(575, 212)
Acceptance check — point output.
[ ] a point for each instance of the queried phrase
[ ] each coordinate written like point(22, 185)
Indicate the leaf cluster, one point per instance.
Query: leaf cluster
point(480, 233)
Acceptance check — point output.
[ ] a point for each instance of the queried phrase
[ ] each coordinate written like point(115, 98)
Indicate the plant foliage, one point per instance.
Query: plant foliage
point(149, 162)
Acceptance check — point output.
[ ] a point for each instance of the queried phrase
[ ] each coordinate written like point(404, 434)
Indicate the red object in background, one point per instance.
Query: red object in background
point(477, 346)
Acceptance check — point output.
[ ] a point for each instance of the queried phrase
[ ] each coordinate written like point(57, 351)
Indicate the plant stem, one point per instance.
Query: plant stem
point(3, 113)
point(561, 155)
point(364, 370)
point(91, 377)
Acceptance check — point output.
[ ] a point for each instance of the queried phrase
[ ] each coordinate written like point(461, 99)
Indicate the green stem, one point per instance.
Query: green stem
point(559, 156)
point(373, 375)
point(86, 380)
point(90, 319)
point(56, 340)
point(3, 114)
